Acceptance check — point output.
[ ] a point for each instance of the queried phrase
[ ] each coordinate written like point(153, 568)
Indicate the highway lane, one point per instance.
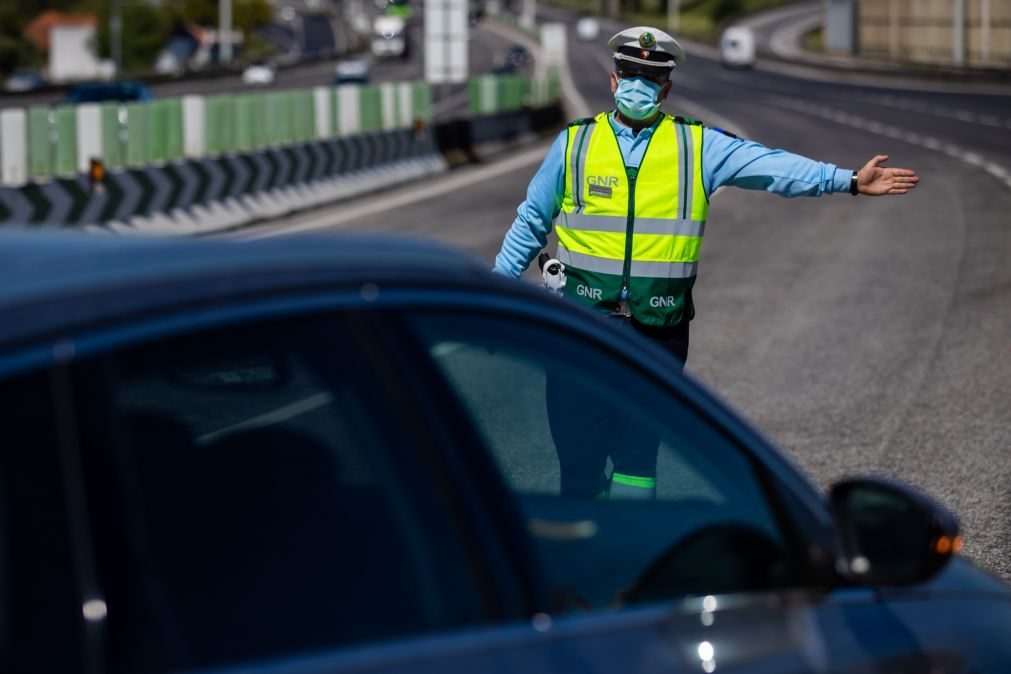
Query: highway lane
point(862, 335)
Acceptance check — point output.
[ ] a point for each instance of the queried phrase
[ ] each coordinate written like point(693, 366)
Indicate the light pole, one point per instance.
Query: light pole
point(673, 15)
point(225, 31)
point(116, 33)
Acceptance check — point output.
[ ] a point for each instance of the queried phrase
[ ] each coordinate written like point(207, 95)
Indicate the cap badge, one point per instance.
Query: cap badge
point(646, 40)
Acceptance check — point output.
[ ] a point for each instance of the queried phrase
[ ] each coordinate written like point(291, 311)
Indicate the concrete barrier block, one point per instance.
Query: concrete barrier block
point(66, 140)
point(89, 135)
point(13, 147)
point(388, 105)
point(349, 108)
point(321, 100)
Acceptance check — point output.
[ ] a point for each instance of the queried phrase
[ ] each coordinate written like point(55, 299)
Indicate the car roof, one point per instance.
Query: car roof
point(52, 282)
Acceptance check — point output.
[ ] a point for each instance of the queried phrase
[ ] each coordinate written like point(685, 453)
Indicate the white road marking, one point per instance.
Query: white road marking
point(871, 126)
point(297, 408)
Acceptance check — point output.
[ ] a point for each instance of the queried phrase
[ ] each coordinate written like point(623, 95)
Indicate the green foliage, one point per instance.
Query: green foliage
point(247, 15)
point(725, 9)
point(146, 29)
point(15, 51)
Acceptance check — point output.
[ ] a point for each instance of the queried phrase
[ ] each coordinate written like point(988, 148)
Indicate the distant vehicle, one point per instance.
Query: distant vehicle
point(518, 55)
point(389, 37)
point(737, 47)
point(351, 71)
point(258, 74)
point(587, 29)
point(100, 92)
point(24, 79)
point(314, 454)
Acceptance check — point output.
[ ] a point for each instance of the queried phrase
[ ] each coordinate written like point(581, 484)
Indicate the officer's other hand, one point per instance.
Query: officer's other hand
point(876, 180)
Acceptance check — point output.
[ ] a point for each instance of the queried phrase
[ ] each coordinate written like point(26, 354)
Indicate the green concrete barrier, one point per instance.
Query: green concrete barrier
point(155, 132)
point(66, 141)
point(421, 94)
point(136, 134)
point(371, 117)
point(40, 143)
point(112, 136)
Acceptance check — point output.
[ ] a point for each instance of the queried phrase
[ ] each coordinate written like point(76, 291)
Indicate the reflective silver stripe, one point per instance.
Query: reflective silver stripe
point(577, 164)
point(681, 168)
point(689, 177)
point(600, 265)
point(663, 269)
point(616, 224)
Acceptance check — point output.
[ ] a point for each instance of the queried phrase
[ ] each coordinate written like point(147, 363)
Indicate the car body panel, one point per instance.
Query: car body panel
point(65, 298)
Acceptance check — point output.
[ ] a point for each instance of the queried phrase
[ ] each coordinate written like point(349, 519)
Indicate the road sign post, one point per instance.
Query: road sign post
point(446, 41)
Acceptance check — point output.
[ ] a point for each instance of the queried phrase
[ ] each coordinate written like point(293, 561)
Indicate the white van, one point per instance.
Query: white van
point(737, 47)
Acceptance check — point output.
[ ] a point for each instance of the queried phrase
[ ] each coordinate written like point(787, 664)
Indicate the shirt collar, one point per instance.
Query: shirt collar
point(624, 131)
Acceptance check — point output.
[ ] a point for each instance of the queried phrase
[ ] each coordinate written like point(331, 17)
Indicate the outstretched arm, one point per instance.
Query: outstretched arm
point(876, 180)
point(529, 231)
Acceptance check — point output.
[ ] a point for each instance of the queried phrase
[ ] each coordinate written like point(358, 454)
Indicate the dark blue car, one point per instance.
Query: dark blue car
point(333, 455)
point(100, 92)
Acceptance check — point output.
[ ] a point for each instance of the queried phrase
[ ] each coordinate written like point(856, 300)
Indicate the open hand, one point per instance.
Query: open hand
point(876, 180)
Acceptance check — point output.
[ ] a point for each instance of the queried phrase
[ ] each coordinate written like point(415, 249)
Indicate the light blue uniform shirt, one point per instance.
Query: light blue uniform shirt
point(725, 161)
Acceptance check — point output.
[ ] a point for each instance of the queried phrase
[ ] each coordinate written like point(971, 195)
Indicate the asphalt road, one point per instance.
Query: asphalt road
point(863, 335)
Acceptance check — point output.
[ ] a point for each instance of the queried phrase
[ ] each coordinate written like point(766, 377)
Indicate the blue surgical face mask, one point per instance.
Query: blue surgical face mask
point(636, 97)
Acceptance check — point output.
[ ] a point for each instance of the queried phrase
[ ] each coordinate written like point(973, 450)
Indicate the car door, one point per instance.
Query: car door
point(46, 581)
point(715, 540)
point(258, 497)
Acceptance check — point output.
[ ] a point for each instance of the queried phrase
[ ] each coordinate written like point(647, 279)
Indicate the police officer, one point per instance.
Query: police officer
point(628, 192)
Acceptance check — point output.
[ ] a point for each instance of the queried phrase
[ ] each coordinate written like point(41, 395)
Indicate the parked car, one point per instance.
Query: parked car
point(351, 71)
point(24, 79)
point(259, 74)
point(99, 92)
point(332, 455)
point(737, 47)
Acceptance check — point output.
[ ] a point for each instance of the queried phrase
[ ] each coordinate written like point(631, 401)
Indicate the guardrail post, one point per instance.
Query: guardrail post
point(194, 126)
point(14, 149)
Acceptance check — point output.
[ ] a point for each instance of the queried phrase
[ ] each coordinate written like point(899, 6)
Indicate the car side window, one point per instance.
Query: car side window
point(629, 493)
point(260, 499)
point(41, 600)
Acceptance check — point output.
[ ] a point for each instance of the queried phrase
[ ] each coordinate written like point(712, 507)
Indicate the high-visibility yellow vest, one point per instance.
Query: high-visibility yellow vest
point(636, 231)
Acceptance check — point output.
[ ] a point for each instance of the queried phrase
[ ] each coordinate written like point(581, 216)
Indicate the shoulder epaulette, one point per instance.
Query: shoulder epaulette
point(723, 131)
point(582, 121)
point(687, 120)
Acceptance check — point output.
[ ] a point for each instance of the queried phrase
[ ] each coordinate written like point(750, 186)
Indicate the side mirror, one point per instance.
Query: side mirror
point(890, 533)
